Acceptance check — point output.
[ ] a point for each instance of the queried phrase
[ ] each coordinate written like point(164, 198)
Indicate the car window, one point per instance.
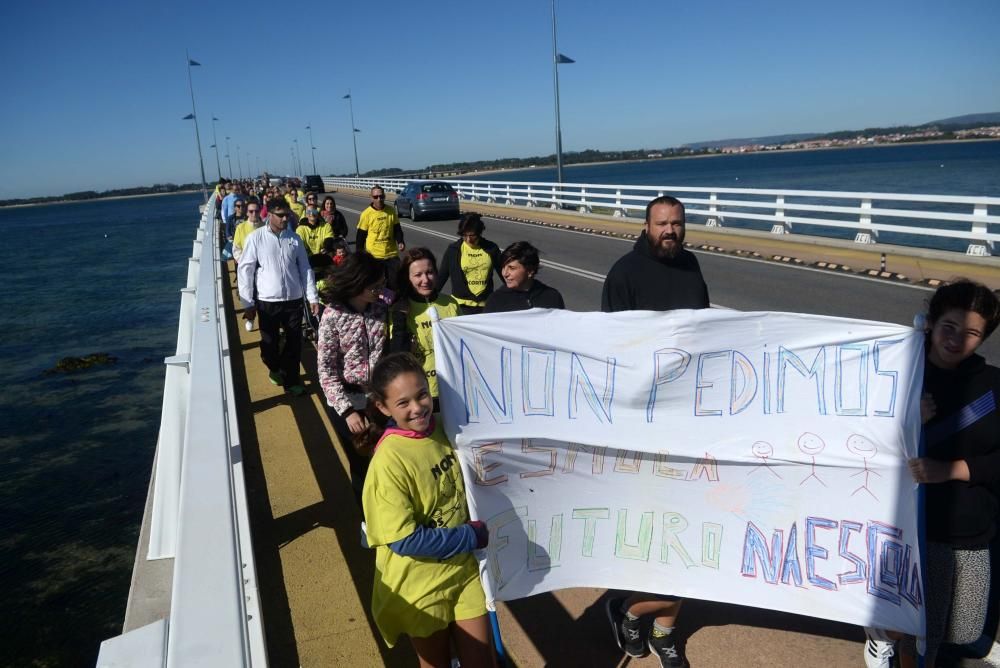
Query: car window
point(436, 188)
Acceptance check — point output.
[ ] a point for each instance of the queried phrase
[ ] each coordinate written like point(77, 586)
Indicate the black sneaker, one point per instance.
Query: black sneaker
point(667, 651)
point(627, 633)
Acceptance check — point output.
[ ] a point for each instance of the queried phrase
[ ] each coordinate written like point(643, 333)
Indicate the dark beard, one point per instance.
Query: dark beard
point(664, 253)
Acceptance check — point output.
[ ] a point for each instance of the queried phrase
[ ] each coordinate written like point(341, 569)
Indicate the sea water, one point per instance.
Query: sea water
point(77, 448)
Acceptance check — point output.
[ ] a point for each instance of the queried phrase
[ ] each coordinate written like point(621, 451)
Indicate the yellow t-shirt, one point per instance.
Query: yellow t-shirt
point(297, 209)
point(413, 481)
point(476, 264)
point(418, 322)
point(381, 229)
point(314, 236)
point(241, 233)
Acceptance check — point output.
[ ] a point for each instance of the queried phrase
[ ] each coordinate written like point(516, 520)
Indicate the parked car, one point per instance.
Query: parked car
point(314, 184)
point(421, 198)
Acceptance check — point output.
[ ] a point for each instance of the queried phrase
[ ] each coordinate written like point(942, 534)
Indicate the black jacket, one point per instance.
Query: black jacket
point(451, 267)
point(966, 425)
point(538, 295)
point(640, 281)
point(339, 225)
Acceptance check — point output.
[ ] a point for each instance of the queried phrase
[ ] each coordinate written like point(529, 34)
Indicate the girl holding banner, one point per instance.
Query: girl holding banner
point(961, 467)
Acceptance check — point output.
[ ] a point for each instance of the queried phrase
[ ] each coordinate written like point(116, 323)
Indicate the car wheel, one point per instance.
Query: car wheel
point(413, 213)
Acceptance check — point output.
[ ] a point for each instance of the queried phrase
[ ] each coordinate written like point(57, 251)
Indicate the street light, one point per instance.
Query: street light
point(193, 116)
point(298, 156)
point(311, 147)
point(239, 163)
point(215, 145)
point(354, 131)
point(229, 159)
point(557, 60)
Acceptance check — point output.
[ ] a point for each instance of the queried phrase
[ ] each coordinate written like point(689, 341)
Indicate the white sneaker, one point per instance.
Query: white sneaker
point(879, 653)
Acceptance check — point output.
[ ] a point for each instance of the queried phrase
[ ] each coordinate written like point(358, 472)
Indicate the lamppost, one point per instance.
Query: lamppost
point(311, 147)
point(215, 145)
point(298, 156)
point(557, 60)
point(354, 131)
point(193, 116)
point(229, 160)
point(239, 163)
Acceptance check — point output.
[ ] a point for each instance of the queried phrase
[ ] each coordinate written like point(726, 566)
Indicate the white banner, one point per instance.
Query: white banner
point(750, 458)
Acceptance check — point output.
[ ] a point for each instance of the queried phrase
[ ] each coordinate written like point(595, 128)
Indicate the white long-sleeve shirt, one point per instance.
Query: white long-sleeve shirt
point(277, 265)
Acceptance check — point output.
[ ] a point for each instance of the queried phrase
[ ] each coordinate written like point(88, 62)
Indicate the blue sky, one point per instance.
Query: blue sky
point(96, 91)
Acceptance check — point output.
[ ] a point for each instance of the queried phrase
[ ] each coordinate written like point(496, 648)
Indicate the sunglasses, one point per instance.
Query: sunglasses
point(378, 196)
point(280, 215)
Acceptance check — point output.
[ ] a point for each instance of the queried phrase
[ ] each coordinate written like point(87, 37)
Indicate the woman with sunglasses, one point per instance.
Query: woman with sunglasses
point(243, 230)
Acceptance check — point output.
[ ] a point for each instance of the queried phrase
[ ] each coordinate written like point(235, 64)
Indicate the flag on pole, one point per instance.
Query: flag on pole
point(346, 97)
point(193, 63)
point(188, 117)
point(564, 60)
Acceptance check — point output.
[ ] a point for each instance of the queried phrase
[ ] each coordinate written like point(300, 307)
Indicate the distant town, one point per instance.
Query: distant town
point(969, 127)
point(922, 135)
point(960, 128)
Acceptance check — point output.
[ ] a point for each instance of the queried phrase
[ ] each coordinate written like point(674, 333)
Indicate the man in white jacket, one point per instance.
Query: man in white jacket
point(273, 277)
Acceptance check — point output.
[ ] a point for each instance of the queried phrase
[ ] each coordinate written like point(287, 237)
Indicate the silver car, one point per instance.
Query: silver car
point(422, 198)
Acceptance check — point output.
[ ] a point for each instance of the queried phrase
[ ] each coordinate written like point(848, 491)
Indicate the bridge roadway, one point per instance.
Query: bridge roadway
point(315, 579)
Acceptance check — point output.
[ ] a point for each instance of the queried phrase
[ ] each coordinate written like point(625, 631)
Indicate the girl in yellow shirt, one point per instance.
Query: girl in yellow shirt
point(426, 578)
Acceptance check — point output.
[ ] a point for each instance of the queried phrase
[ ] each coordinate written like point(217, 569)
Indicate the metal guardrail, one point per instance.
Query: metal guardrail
point(199, 514)
point(953, 217)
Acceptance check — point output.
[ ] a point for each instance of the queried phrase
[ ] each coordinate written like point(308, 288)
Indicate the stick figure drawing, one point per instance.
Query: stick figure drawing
point(811, 444)
point(864, 448)
point(762, 450)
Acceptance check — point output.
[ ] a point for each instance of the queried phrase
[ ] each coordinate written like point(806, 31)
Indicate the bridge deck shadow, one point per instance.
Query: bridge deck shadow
point(314, 577)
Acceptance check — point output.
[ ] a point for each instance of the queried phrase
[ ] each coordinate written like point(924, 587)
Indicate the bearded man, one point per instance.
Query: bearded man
point(658, 274)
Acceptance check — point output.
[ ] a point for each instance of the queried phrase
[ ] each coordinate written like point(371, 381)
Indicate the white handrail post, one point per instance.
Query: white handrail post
point(583, 208)
point(782, 226)
point(619, 211)
point(554, 204)
point(489, 193)
point(979, 227)
point(509, 200)
point(867, 234)
point(531, 200)
point(713, 209)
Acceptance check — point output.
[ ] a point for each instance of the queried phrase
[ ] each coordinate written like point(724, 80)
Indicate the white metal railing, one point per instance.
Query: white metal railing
point(955, 217)
point(199, 514)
